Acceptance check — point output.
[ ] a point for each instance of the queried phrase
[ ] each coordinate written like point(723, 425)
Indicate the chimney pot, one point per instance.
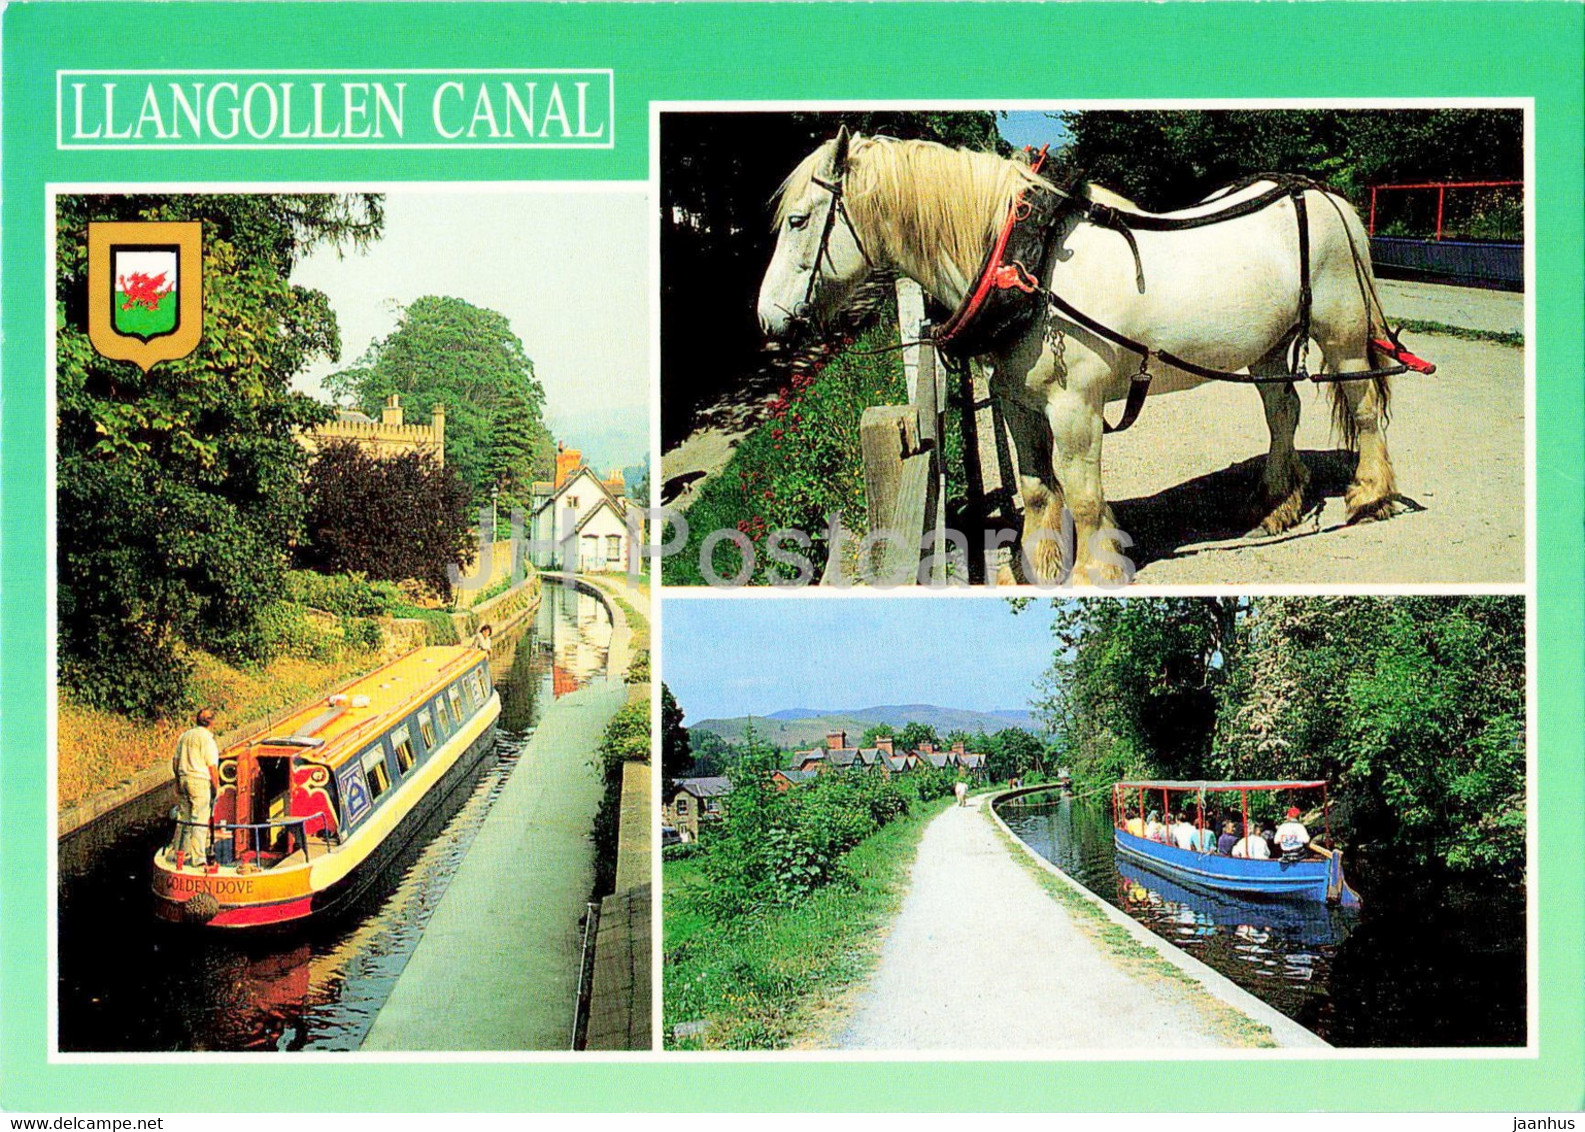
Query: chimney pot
point(836, 740)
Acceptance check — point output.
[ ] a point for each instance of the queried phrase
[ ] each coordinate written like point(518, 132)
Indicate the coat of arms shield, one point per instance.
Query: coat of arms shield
point(145, 283)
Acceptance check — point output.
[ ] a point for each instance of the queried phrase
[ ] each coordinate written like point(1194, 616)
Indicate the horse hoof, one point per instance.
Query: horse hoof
point(1374, 511)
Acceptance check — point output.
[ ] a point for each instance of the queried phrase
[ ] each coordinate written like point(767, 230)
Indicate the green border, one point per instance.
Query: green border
point(732, 51)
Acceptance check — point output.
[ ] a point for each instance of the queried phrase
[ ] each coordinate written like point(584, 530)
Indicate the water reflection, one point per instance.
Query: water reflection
point(1418, 965)
point(130, 982)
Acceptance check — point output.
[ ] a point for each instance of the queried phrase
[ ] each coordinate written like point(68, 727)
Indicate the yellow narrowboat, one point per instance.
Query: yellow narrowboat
point(313, 810)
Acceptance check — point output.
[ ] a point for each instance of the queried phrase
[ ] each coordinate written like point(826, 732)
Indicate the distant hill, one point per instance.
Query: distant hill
point(793, 728)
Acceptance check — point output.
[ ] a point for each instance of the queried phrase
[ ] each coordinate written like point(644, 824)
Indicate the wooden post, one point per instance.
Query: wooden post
point(888, 434)
point(910, 316)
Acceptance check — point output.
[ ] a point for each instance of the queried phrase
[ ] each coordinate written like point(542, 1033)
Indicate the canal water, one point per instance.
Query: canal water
point(130, 982)
point(1420, 964)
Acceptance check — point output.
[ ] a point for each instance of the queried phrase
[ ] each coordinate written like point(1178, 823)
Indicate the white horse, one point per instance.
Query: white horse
point(1222, 296)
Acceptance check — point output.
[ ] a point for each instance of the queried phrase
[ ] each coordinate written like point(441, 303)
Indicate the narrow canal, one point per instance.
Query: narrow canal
point(1421, 964)
point(130, 982)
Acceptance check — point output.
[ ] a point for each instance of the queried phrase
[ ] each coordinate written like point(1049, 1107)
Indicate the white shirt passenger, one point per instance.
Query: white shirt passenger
point(1183, 835)
point(1254, 847)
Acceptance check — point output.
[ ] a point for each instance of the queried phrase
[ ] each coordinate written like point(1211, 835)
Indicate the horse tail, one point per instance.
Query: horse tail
point(1375, 319)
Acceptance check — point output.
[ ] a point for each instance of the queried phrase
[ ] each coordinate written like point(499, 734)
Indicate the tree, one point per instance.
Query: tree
point(879, 731)
point(915, 735)
point(1013, 751)
point(449, 351)
point(1170, 158)
point(676, 755)
point(178, 489)
point(393, 519)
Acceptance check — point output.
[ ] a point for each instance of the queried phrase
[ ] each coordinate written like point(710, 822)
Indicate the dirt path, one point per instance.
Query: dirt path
point(981, 958)
point(1180, 478)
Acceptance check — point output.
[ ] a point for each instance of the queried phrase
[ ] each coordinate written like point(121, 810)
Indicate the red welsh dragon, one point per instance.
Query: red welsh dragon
point(143, 290)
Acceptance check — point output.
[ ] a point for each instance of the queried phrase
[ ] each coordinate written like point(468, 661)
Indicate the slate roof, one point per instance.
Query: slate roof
point(797, 775)
point(713, 787)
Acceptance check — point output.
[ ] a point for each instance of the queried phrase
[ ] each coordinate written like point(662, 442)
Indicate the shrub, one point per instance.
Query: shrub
point(363, 633)
point(346, 595)
point(439, 628)
point(400, 517)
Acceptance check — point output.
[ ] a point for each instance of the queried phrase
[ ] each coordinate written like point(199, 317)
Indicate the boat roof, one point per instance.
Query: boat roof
point(1208, 786)
point(323, 731)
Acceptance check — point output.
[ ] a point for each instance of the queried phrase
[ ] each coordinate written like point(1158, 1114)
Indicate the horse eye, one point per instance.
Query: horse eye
point(798, 220)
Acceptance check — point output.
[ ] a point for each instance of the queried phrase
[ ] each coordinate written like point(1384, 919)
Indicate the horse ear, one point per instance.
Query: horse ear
point(839, 153)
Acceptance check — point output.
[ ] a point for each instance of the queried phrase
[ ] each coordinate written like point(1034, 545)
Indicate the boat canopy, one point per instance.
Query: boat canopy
point(1211, 787)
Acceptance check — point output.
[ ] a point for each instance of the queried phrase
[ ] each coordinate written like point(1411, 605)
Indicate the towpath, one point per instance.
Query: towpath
point(497, 968)
point(982, 958)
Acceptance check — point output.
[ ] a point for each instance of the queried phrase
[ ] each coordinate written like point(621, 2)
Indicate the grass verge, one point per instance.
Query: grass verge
point(1469, 334)
point(769, 980)
point(1134, 958)
point(101, 749)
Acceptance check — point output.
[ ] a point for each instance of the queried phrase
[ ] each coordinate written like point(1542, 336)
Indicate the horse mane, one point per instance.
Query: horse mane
point(935, 206)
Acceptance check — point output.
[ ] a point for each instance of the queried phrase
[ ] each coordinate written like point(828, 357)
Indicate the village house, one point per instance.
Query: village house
point(384, 438)
point(883, 757)
point(694, 802)
point(580, 521)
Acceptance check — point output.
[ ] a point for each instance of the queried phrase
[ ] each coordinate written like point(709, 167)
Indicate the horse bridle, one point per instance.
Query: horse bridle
point(823, 255)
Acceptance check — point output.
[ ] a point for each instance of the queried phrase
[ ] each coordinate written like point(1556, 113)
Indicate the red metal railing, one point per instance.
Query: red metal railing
point(1441, 188)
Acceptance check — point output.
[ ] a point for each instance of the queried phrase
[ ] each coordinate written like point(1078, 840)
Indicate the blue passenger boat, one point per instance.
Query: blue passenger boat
point(1313, 873)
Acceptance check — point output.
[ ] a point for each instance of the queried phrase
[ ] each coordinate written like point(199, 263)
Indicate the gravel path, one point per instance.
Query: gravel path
point(981, 958)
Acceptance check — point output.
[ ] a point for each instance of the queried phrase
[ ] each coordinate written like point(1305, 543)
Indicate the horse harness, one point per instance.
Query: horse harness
point(1007, 295)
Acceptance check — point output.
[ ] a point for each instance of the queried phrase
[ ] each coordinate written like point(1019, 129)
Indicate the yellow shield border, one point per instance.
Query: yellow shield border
point(188, 238)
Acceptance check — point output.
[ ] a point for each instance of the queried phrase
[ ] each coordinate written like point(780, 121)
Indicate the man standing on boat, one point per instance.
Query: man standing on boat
point(197, 771)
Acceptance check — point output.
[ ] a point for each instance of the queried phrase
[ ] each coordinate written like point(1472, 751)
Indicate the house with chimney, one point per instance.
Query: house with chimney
point(579, 520)
point(884, 758)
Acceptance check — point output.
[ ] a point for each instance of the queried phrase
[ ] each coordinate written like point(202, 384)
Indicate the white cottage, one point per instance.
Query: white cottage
point(580, 520)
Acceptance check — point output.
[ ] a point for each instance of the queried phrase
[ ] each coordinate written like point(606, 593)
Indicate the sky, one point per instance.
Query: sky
point(729, 658)
point(569, 270)
point(1032, 127)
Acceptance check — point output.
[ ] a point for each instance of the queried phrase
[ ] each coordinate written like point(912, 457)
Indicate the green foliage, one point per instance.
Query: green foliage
point(1412, 708)
point(362, 633)
point(178, 489)
point(348, 595)
point(626, 739)
point(439, 628)
point(1171, 158)
point(758, 980)
point(878, 731)
point(676, 755)
point(448, 351)
point(1012, 752)
point(711, 755)
point(393, 519)
point(913, 735)
point(776, 847)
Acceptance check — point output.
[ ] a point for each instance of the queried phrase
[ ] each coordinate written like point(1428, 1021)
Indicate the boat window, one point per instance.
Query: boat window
point(402, 747)
point(456, 703)
point(426, 728)
point(375, 770)
point(441, 715)
point(475, 689)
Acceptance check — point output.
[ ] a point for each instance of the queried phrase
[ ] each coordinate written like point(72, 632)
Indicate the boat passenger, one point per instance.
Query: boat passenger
point(1135, 825)
point(1184, 833)
point(481, 639)
point(1268, 834)
point(1206, 842)
point(1292, 838)
point(196, 768)
point(1154, 830)
point(1229, 838)
point(1253, 847)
